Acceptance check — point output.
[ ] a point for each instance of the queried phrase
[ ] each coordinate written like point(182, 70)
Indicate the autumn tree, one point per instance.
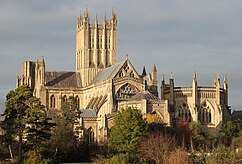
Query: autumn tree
point(25, 119)
point(129, 127)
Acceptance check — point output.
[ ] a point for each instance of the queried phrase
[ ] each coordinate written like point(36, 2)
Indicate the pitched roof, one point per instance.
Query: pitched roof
point(88, 113)
point(62, 79)
point(237, 115)
point(108, 73)
point(144, 95)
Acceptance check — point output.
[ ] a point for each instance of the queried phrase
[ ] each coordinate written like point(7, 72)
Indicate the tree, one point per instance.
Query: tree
point(197, 134)
point(227, 132)
point(129, 127)
point(63, 141)
point(26, 119)
point(156, 146)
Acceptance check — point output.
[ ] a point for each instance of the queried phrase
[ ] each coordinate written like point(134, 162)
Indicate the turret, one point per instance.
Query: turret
point(113, 39)
point(218, 90)
point(171, 98)
point(104, 51)
point(226, 89)
point(95, 44)
point(163, 87)
point(144, 72)
point(194, 89)
point(154, 75)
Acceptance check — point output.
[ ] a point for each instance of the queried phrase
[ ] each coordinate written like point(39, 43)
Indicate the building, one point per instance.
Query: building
point(102, 86)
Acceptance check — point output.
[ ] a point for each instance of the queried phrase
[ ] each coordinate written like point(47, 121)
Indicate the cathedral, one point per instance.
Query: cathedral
point(101, 86)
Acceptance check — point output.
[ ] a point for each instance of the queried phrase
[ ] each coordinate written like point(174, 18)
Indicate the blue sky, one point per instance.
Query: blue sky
point(179, 36)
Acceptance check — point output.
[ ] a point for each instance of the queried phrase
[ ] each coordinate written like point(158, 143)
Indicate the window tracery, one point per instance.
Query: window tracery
point(184, 112)
point(125, 92)
point(204, 114)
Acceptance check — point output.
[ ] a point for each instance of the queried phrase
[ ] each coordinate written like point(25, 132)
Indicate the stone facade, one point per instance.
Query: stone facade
point(101, 86)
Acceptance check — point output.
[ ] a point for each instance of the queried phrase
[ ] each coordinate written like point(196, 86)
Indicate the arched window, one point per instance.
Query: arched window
point(52, 101)
point(126, 92)
point(64, 99)
point(77, 102)
point(184, 112)
point(204, 114)
point(90, 132)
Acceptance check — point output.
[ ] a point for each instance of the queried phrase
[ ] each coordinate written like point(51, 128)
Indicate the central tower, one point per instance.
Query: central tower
point(96, 46)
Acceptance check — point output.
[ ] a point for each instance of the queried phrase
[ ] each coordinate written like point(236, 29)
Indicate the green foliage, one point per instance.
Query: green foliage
point(70, 111)
point(120, 158)
point(161, 128)
point(197, 131)
point(26, 119)
point(223, 155)
point(237, 141)
point(129, 127)
point(228, 130)
point(64, 144)
point(34, 157)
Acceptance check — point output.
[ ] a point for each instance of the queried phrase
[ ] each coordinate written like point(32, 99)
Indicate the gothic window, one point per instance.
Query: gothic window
point(77, 102)
point(52, 101)
point(204, 114)
point(125, 92)
point(64, 99)
point(90, 132)
point(184, 112)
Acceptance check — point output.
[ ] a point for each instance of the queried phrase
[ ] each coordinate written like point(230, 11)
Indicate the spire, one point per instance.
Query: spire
point(127, 56)
point(96, 20)
point(171, 76)
point(105, 19)
point(225, 78)
point(86, 13)
point(218, 78)
point(154, 68)
point(195, 75)
point(225, 82)
point(194, 81)
point(154, 75)
point(163, 77)
point(113, 14)
point(144, 72)
point(43, 60)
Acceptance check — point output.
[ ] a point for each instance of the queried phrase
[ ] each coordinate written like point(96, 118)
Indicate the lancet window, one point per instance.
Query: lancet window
point(64, 99)
point(77, 102)
point(52, 101)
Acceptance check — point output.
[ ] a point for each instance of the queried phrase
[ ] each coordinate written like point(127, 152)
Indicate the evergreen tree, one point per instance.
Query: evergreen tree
point(129, 127)
point(25, 119)
point(64, 143)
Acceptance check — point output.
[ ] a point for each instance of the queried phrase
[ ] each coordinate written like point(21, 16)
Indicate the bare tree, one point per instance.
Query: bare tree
point(156, 146)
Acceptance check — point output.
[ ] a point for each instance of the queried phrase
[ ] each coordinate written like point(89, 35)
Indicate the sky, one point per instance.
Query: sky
point(179, 36)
